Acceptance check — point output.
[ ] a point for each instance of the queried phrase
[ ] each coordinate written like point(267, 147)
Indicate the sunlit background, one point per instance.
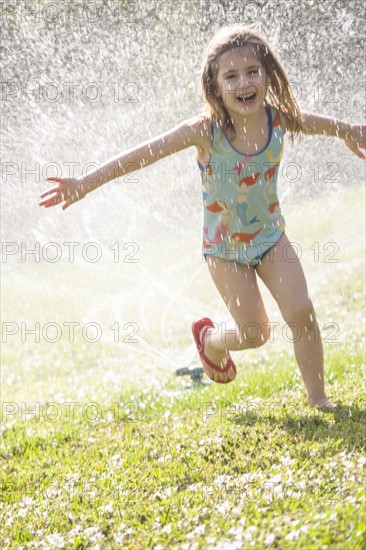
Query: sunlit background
point(81, 84)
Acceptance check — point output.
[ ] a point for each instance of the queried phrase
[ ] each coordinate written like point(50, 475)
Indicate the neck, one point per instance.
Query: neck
point(247, 125)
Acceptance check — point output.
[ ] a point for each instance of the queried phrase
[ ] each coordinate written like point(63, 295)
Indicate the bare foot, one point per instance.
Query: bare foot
point(322, 404)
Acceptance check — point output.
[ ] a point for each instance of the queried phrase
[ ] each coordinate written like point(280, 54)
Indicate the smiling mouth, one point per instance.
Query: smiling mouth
point(247, 98)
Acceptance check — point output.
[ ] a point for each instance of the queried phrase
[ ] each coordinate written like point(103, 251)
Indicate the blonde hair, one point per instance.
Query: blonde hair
point(279, 93)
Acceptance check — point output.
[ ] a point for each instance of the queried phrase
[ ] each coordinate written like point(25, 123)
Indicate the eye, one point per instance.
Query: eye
point(254, 71)
point(230, 77)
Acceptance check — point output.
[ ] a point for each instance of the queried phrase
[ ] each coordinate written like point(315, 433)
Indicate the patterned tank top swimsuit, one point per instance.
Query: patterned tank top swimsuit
point(242, 217)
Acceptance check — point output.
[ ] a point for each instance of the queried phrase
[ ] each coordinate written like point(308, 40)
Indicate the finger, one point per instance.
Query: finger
point(359, 153)
point(48, 205)
point(50, 202)
point(59, 180)
point(50, 191)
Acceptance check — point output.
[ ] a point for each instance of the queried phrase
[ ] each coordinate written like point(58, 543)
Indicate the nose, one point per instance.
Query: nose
point(245, 82)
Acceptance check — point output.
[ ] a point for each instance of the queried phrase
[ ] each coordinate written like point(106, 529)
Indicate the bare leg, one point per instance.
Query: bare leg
point(238, 287)
point(282, 273)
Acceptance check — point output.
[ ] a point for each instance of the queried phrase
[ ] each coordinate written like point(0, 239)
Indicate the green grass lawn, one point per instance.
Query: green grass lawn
point(118, 454)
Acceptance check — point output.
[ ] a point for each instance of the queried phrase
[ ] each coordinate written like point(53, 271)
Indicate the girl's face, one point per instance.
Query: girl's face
point(241, 81)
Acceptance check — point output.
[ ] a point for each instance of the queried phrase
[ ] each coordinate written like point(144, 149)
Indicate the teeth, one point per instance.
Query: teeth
point(247, 96)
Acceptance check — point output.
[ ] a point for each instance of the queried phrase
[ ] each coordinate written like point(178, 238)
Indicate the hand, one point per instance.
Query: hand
point(356, 139)
point(69, 190)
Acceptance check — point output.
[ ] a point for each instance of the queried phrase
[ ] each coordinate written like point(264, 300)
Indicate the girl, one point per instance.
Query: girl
point(239, 143)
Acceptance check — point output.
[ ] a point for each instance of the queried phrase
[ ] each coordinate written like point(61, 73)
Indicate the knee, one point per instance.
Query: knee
point(301, 313)
point(255, 334)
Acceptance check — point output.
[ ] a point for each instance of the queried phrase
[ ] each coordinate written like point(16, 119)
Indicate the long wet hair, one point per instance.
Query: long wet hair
point(279, 93)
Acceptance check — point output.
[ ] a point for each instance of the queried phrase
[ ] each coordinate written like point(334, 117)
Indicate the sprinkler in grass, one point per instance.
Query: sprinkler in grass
point(196, 374)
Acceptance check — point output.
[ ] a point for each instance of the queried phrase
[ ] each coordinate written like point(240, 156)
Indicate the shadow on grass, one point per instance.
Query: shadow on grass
point(346, 424)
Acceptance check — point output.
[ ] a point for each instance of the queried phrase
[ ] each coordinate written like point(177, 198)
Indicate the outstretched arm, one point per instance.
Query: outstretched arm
point(70, 190)
point(354, 135)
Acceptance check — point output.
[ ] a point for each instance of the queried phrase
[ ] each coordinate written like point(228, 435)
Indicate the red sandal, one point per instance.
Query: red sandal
point(199, 330)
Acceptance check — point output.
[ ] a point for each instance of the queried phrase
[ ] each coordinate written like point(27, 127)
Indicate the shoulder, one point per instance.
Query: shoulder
point(193, 131)
point(294, 125)
point(279, 119)
point(285, 124)
point(199, 127)
point(188, 133)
